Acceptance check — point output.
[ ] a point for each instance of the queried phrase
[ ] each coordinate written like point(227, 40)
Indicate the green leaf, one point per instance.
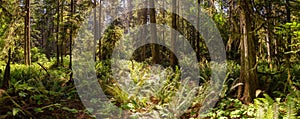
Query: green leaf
point(51, 108)
point(22, 94)
point(38, 110)
point(130, 105)
point(270, 100)
point(70, 110)
point(15, 111)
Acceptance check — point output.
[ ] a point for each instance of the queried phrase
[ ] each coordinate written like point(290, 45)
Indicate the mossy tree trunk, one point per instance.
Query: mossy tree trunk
point(248, 74)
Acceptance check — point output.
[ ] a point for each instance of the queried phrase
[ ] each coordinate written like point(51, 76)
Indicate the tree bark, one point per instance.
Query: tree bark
point(129, 14)
point(96, 32)
point(153, 31)
point(173, 34)
point(6, 77)
point(145, 30)
point(57, 34)
point(269, 43)
point(27, 34)
point(289, 42)
point(197, 31)
point(100, 28)
point(248, 76)
point(62, 36)
point(269, 48)
point(71, 36)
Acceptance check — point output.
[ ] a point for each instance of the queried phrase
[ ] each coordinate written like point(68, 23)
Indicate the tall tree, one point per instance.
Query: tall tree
point(197, 33)
point(129, 14)
point(57, 33)
point(100, 28)
point(6, 77)
point(233, 40)
point(27, 34)
point(63, 36)
point(96, 31)
point(173, 34)
point(71, 34)
point(153, 31)
point(289, 40)
point(268, 40)
point(248, 76)
point(144, 17)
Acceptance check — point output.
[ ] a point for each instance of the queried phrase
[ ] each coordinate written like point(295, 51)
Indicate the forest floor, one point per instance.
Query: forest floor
point(47, 93)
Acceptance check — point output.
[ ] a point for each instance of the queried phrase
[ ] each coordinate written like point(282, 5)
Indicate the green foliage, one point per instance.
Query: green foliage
point(34, 92)
point(268, 108)
point(41, 90)
point(219, 18)
point(111, 37)
point(292, 29)
point(231, 108)
point(233, 69)
point(103, 70)
point(37, 55)
point(262, 108)
point(151, 90)
point(36, 76)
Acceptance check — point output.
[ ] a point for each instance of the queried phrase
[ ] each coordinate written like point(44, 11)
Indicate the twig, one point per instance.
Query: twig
point(44, 68)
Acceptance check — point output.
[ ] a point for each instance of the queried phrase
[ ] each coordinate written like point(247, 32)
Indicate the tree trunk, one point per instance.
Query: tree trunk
point(96, 32)
point(268, 40)
point(72, 6)
point(57, 35)
point(129, 14)
point(173, 34)
point(233, 41)
point(27, 34)
point(269, 48)
point(100, 28)
point(43, 33)
point(197, 31)
point(71, 36)
point(163, 30)
point(62, 36)
point(6, 77)
point(145, 30)
point(153, 31)
point(289, 42)
point(246, 92)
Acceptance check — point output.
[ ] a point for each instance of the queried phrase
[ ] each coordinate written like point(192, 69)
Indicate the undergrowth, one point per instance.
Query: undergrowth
point(145, 91)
